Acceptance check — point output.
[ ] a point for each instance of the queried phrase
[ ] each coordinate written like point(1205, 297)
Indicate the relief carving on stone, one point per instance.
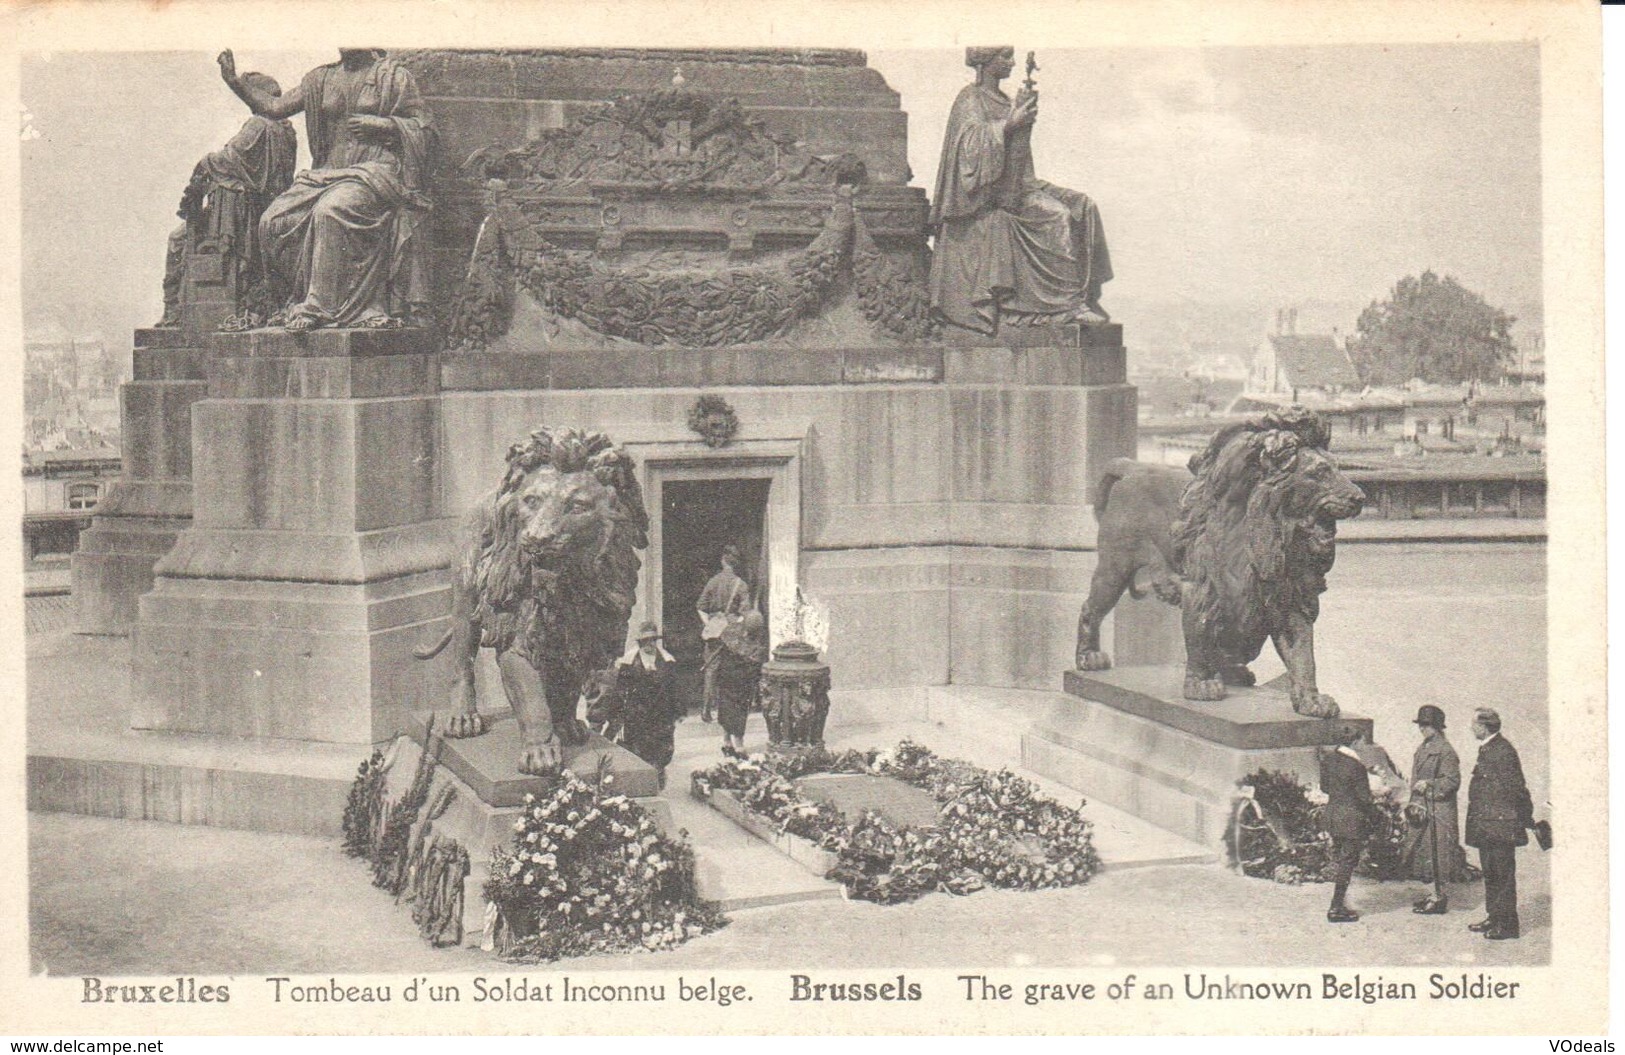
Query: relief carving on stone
point(660, 168)
point(665, 142)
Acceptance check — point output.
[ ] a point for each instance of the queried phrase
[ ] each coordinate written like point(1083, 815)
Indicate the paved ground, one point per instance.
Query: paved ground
point(209, 901)
point(1403, 625)
point(49, 613)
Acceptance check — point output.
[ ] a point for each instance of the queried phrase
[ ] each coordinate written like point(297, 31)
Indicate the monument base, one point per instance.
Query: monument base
point(319, 661)
point(146, 510)
point(489, 793)
point(1129, 739)
point(113, 565)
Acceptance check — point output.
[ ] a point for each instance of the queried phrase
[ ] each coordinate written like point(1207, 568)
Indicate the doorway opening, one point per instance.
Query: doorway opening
point(699, 518)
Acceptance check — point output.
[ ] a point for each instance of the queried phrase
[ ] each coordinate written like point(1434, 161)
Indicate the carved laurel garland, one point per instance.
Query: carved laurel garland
point(699, 308)
point(893, 298)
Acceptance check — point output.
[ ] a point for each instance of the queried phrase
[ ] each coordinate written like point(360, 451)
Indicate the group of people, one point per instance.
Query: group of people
point(1500, 814)
point(648, 703)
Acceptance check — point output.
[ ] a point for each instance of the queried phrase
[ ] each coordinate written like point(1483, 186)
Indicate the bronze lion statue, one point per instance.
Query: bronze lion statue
point(1242, 543)
point(547, 578)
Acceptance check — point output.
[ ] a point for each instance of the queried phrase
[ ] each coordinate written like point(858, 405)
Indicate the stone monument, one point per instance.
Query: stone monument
point(603, 237)
point(1241, 544)
point(1011, 249)
point(214, 274)
point(317, 545)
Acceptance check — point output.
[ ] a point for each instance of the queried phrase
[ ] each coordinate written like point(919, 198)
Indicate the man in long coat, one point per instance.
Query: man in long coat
point(1499, 812)
point(649, 706)
point(1347, 817)
point(1435, 780)
point(725, 598)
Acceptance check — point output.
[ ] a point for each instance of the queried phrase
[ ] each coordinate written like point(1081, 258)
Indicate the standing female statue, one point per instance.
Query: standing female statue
point(1008, 245)
point(345, 242)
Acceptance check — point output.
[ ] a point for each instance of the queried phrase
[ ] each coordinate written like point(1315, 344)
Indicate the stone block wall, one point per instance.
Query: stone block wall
point(945, 523)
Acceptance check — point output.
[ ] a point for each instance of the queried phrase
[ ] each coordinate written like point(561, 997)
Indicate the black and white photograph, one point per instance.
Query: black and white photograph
point(1057, 520)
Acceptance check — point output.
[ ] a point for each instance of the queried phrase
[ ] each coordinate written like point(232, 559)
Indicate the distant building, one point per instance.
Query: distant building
point(61, 488)
point(69, 383)
point(1288, 363)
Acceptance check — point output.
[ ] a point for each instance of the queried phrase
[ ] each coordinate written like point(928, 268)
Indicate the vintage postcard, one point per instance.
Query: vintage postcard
point(842, 518)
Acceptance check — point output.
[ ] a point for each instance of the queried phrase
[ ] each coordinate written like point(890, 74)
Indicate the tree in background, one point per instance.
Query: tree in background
point(1435, 329)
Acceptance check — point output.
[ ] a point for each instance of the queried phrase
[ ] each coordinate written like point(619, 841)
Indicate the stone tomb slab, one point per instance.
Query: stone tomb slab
point(855, 794)
point(488, 764)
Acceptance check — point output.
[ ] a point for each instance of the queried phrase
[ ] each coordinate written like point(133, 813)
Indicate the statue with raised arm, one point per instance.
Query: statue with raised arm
point(221, 207)
point(345, 241)
point(1009, 246)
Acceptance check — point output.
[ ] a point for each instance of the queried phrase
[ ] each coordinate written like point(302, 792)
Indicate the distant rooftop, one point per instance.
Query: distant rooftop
point(1314, 360)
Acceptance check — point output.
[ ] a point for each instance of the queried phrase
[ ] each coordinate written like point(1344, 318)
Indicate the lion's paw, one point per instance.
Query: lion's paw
point(540, 759)
point(464, 724)
point(1093, 660)
point(1315, 705)
point(1206, 689)
point(1238, 675)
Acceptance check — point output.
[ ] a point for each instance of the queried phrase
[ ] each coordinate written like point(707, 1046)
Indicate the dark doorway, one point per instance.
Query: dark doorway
point(699, 518)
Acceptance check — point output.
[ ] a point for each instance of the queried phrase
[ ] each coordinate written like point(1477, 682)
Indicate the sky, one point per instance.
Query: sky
point(1225, 176)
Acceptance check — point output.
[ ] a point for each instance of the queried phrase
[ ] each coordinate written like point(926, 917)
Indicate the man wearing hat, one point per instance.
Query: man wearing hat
point(1434, 853)
point(1347, 815)
point(649, 709)
point(1499, 811)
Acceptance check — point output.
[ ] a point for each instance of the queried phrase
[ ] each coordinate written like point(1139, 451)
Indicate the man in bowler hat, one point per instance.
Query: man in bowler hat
point(1499, 812)
point(1347, 815)
point(1434, 852)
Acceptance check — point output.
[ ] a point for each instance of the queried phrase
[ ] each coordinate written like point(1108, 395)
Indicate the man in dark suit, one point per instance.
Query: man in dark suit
point(1348, 817)
point(1499, 811)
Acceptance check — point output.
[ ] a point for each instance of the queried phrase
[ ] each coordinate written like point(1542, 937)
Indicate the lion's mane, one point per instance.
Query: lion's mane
point(573, 620)
point(1246, 564)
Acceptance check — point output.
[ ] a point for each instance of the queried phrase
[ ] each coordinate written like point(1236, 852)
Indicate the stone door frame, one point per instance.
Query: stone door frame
point(775, 458)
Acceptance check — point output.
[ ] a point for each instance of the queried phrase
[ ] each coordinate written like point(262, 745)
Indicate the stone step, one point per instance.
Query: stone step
point(82, 758)
point(987, 725)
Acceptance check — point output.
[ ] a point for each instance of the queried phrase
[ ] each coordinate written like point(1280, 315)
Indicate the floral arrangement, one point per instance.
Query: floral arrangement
point(588, 872)
point(1276, 833)
point(364, 808)
point(408, 858)
point(995, 828)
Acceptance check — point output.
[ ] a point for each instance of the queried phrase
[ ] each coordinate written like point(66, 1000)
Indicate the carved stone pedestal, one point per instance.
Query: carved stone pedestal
point(795, 697)
point(317, 554)
point(488, 793)
point(1127, 738)
point(151, 504)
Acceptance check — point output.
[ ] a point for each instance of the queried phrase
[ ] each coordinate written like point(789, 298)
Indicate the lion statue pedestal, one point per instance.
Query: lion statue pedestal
point(1130, 739)
point(1240, 547)
point(487, 792)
